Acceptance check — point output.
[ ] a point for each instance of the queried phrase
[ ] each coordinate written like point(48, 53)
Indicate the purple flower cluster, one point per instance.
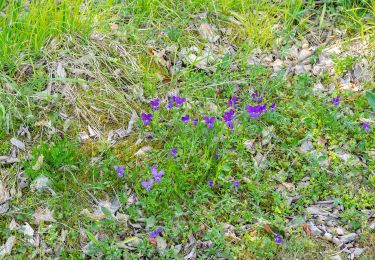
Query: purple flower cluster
point(156, 232)
point(209, 121)
point(366, 127)
point(157, 175)
point(146, 118)
point(177, 100)
point(228, 119)
point(278, 238)
point(336, 101)
point(256, 111)
point(155, 103)
point(173, 152)
point(257, 97)
point(185, 119)
point(148, 184)
point(233, 102)
point(119, 170)
point(157, 178)
point(236, 184)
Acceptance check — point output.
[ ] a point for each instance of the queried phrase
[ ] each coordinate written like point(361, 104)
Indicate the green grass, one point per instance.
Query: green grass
point(108, 73)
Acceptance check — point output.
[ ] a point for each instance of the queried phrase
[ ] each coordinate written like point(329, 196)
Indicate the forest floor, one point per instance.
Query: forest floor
point(202, 129)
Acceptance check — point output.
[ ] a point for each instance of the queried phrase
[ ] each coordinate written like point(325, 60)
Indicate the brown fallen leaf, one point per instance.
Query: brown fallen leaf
point(38, 163)
point(42, 215)
point(4, 193)
point(152, 241)
point(267, 228)
point(143, 150)
point(307, 229)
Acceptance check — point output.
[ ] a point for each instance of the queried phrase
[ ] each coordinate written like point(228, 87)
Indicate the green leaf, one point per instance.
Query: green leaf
point(92, 237)
point(107, 213)
point(371, 99)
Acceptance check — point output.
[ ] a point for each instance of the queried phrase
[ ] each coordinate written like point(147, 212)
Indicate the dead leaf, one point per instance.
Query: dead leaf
point(307, 229)
point(143, 150)
point(42, 183)
point(38, 163)
point(288, 185)
point(8, 160)
point(249, 144)
point(28, 231)
point(60, 71)
point(6, 249)
point(161, 243)
point(113, 26)
point(267, 228)
point(207, 33)
point(4, 208)
point(4, 193)
point(83, 136)
point(17, 143)
point(306, 146)
point(42, 215)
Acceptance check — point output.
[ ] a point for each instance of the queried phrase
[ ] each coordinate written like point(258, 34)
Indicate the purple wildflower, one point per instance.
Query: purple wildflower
point(257, 97)
point(185, 119)
point(156, 232)
point(155, 103)
point(148, 184)
point(366, 127)
point(179, 100)
point(173, 152)
point(157, 175)
point(233, 102)
point(231, 126)
point(256, 111)
point(146, 118)
point(119, 170)
point(236, 184)
point(209, 121)
point(336, 101)
point(228, 117)
point(272, 107)
point(278, 239)
point(195, 121)
point(170, 104)
point(211, 183)
point(134, 198)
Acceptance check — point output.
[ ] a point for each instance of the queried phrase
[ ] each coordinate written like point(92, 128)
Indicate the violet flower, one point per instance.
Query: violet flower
point(236, 184)
point(148, 184)
point(185, 119)
point(257, 97)
point(211, 183)
point(146, 118)
point(157, 175)
point(156, 232)
point(173, 152)
point(228, 117)
point(278, 239)
point(195, 121)
point(336, 101)
point(366, 127)
point(209, 121)
point(155, 103)
point(272, 107)
point(170, 103)
point(119, 170)
point(233, 102)
point(256, 111)
point(179, 100)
